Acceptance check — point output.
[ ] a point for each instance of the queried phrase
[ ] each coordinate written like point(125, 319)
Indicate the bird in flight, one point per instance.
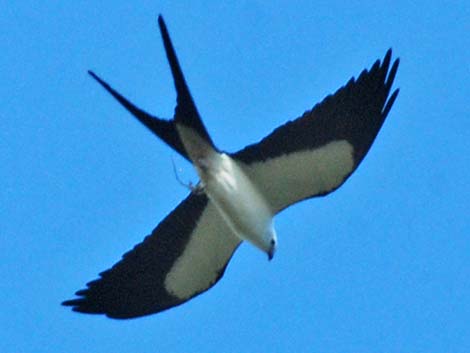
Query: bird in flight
point(238, 193)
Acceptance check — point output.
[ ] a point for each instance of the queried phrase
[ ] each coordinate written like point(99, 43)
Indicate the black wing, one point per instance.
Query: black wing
point(185, 255)
point(315, 154)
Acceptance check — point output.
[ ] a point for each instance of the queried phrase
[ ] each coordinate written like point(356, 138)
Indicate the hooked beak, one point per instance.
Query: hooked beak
point(271, 253)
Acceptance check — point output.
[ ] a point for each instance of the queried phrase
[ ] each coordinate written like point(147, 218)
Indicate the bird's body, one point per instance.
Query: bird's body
point(239, 193)
point(239, 201)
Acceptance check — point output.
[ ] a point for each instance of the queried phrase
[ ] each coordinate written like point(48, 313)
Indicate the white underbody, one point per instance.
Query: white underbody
point(242, 201)
point(236, 198)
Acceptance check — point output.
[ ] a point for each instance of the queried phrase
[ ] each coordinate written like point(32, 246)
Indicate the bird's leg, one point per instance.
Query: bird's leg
point(196, 189)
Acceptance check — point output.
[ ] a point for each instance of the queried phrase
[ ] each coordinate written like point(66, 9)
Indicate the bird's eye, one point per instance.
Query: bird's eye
point(273, 242)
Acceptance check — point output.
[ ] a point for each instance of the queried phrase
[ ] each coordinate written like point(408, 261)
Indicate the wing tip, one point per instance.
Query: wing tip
point(389, 78)
point(387, 58)
point(86, 305)
point(392, 73)
point(70, 302)
point(82, 305)
point(386, 64)
point(390, 102)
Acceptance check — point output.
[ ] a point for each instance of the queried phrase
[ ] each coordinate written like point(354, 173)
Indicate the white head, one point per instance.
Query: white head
point(267, 242)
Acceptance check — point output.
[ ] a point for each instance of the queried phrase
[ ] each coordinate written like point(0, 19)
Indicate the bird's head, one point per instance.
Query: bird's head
point(265, 240)
point(270, 242)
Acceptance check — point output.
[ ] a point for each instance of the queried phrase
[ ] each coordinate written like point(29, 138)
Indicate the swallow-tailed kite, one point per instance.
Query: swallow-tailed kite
point(238, 193)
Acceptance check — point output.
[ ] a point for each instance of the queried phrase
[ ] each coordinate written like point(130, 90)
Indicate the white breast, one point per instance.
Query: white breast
point(238, 200)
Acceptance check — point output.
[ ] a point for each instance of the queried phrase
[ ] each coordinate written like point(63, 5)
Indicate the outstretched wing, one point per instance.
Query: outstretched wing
point(315, 154)
point(185, 255)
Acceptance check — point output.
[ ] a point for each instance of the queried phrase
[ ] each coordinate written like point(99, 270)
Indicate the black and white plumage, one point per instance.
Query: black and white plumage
point(187, 253)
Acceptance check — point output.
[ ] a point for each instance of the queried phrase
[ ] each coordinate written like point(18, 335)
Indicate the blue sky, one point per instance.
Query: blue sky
point(381, 265)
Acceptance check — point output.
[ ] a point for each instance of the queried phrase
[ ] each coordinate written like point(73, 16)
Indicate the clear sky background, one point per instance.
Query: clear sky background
point(381, 265)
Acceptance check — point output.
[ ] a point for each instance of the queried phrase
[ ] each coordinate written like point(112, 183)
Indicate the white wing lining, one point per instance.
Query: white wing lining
point(289, 178)
point(210, 247)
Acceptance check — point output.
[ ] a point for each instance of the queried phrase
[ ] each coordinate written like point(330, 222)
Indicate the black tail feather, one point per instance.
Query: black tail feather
point(185, 112)
point(164, 129)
